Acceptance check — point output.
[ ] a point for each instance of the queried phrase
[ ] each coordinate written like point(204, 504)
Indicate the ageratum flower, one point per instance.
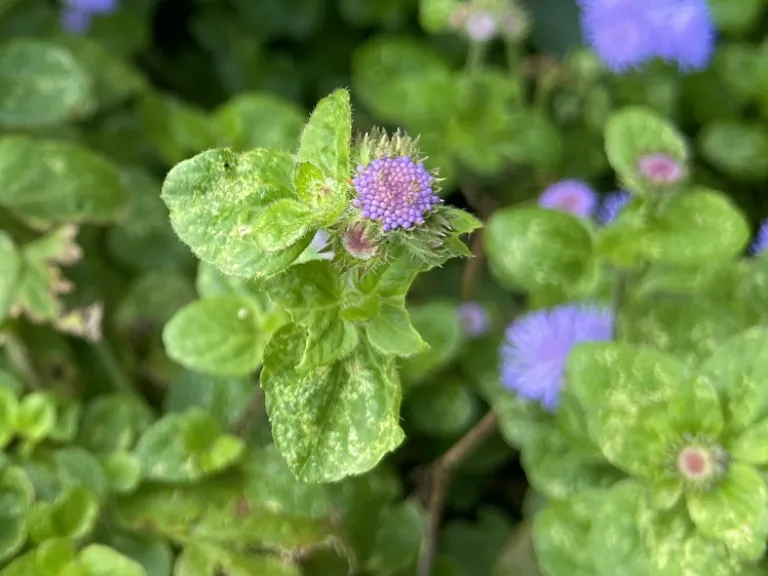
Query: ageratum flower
point(612, 205)
point(474, 319)
point(572, 196)
point(536, 347)
point(628, 33)
point(660, 168)
point(395, 191)
point(761, 240)
point(77, 14)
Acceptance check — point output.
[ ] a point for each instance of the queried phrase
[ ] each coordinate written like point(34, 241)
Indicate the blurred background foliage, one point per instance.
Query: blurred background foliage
point(90, 125)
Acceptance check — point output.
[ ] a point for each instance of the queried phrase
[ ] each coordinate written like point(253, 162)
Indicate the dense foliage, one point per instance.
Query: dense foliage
point(383, 288)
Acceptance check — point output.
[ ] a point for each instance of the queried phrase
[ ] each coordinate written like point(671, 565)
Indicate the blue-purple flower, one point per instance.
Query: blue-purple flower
point(77, 14)
point(319, 244)
point(536, 347)
point(760, 243)
point(572, 196)
point(395, 191)
point(474, 319)
point(612, 205)
point(628, 33)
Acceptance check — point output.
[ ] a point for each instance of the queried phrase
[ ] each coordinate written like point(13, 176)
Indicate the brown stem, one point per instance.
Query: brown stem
point(439, 478)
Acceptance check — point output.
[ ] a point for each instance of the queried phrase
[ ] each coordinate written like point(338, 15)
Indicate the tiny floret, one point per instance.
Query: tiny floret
point(760, 243)
point(660, 168)
point(572, 196)
point(612, 206)
point(395, 191)
point(536, 347)
point(474, 319)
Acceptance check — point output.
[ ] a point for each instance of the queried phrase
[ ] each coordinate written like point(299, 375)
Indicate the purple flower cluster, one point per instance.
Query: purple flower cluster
point(395, 191)
point(628, 33)
point(536, 347)
point(760, 243)
point(77, 14)
point(572, 196)
point(612, 205)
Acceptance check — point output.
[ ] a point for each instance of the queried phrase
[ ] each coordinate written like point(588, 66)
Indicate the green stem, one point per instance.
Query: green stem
point(475, 57)
point(116, 373)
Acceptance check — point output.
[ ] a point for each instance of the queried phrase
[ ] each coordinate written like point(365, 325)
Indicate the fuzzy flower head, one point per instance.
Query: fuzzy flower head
point(536, 347)
point(392, 185)
point(77, 14)
point(474, 319)
point(699, 462)
point(761, 239)
point(629, 33)
point(612, 206)
point(661, 169)
point(572, 196)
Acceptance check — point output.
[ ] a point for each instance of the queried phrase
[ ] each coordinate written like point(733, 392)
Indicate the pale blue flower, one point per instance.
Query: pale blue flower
point(536, 347)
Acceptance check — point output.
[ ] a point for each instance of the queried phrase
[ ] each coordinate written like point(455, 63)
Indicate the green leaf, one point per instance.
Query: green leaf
point(186, 447)
point(444, 410)
point(215, 198)
point(329, 339)
point(325, 140)
point(258, 120)
point(625, 392)
point(152, 552)
point(49, 181)
point(10, 267)
point(219, 335)
point(539, 250)
point(175, 128)
point(282, 224)
point(633, 132)
point(439, 325)
point(36, 416)
point(309, 285)
point(101, 560)
point(334, 421)
point(16, 494)
point(78, 467)
point(113, 422)
point(557, 469)
point(388, 71)
point(736, 148)
point(561, 535)
point(398, 538)
point(41, 84)
point(737, 371)
point(9, 408)
point(74, 513)
point(114, 79)
point(263, 507)
point(735, 511)
point(391, 332)
point(615, 542)
point(682, 233)
point(143, 240)
point(123, 471)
